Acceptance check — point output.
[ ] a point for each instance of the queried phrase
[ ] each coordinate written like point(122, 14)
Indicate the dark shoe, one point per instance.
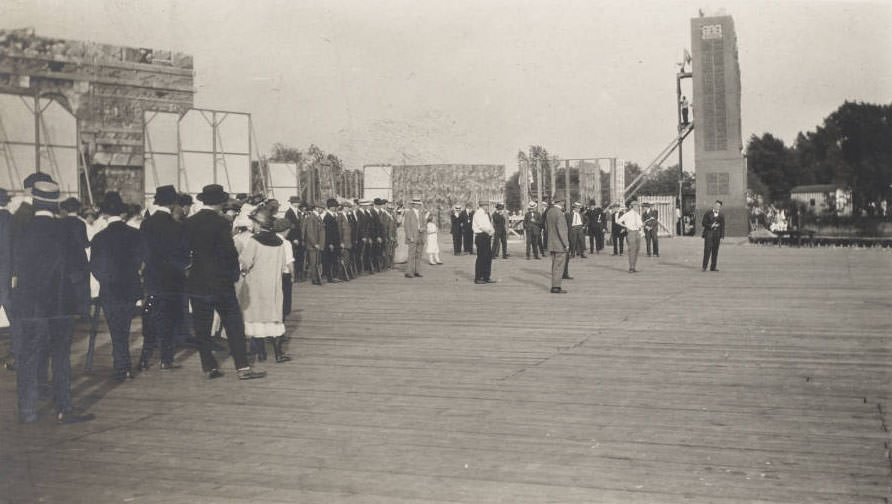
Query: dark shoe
point(261, 357)
point(583, 256)
point(214, 373)
point(169, 366)
point(419, 275)
point(714, 269)
point(123, 375)
point(250, 374)
point(490, 281)
point(409, 275)
point(558, 290)
point(537, 257)
point(282, 358)
point(656, 255)
point(567, 277)
point(71, 417)
point(479, 281)
point(143, 365)
point(9, 365)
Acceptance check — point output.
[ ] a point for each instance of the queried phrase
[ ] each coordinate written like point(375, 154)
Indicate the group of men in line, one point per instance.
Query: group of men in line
point(342, 239)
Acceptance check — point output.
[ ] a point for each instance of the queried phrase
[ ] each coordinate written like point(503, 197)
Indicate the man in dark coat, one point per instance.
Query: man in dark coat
point(314, 238)
point(558, 244)
point(596, 225)
point(331, 251)
point(617, 232)
point(167, 258)
point(713, 232)
point(5, 250)
point(211, 282)
point(115, 258)
point(457, 228)
point(44, 304)
point(468, 217)
point(295, 215)
point(68, 210)
point(532, 230)
point(651, 229)
point(500, 237)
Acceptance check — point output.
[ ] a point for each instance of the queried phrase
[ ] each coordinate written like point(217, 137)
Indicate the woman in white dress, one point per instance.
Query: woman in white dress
point(262, 259)
point(432, 247)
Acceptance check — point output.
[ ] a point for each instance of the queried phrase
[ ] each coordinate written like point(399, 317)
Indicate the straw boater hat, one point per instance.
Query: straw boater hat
point(533, 204)
point(577, 204)
point(45, 195)
point(456, 207)
point(416, 201)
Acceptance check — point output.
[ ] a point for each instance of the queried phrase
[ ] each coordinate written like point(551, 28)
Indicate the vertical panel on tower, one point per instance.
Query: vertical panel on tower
point(718, 158)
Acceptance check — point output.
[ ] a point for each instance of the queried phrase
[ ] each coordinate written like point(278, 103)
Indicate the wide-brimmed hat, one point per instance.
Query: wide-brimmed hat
point(378, 201)
point(533, 204)
point(499, 206)
point(166, 195)
point(577, 204)
point(45, 195)
point(112, 204)
point(213, 194)
point(184, 199)
point(331, 203)
point(647, 203)
point(365, 202)
point(35, 177)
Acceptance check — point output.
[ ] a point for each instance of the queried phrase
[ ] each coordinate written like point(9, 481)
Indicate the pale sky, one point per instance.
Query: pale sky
point(473, 81)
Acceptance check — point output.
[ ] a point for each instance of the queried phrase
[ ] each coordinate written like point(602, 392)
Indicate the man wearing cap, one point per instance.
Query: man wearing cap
point(634, 227)
point(414, 227)
point(457, 228)
point(166, 257)
point(558, 244)
point(332, 249)
point(211, 283)
point(115, 258)
point(713, 232)
point(483, 231)
point(314, 238)
point(44, 303)
point(532, 230)
point(500, 236)
point(651, 227)
point(468, 238)
point(577, 239)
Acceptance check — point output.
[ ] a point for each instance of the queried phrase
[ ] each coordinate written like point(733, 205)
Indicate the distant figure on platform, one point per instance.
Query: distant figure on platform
point(558, 244)
point(634, 228)
point(684, 110)
point(457, 228)
point(469, 229)
point(651, 229)
point(500, 238)
point(414, 226)
point(532, 230)
point(432, 246)
point(483, 231)
point(713, 232)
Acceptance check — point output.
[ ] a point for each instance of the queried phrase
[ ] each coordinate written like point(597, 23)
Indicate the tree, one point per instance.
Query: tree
point(774, 164)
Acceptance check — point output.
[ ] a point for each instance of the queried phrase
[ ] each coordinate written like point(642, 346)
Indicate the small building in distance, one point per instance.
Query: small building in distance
point(824, 198)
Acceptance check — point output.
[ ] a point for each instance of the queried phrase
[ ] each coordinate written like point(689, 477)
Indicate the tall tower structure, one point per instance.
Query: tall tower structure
point(718, 157)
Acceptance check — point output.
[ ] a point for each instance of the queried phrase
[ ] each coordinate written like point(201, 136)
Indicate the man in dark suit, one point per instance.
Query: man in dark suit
point(457, 228)
point(500, 237)
point(211, 283)
point(5, 251)
point(345, 232)
point(558, 236)
point(355, 239)
point(532, 230)
point(295, 214)
point(167, 257)
point(44, 303)
point(332, 250)
point(596, 225)
point(314, 238)
point(651, 229)
point(469, 229)
point(617, 232)
point(713, 232)
point(68, 217)
point(115, 258)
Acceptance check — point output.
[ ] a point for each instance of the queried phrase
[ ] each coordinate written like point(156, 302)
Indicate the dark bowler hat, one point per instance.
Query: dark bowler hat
point(213, 194)
point(379, 201)
point(647, 203)
point(303, 206)
point(499, 206)
point(166, 195)
point(36, 176)
point(331, 203)
point(184, 199)
point(112, 204)
point(4, 197)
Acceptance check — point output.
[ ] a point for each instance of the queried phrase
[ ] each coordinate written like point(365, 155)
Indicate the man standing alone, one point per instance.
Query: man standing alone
point(633, 225)
point(713, 232)
point(558, 241)
point(457, 229)
point(414, 227)
point(532, 230)
point(483, 231)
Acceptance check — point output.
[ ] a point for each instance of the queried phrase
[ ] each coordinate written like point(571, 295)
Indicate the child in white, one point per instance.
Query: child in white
point(432, 248)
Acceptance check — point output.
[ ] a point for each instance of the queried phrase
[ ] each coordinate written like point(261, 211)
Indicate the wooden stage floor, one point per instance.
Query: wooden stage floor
point(769, 381)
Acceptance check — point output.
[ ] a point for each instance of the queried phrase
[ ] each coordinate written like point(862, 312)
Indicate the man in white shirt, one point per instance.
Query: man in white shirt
point(634, 226)
point(483, 231)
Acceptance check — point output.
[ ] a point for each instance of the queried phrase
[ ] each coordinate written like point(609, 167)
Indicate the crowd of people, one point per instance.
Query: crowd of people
point(228, 264)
